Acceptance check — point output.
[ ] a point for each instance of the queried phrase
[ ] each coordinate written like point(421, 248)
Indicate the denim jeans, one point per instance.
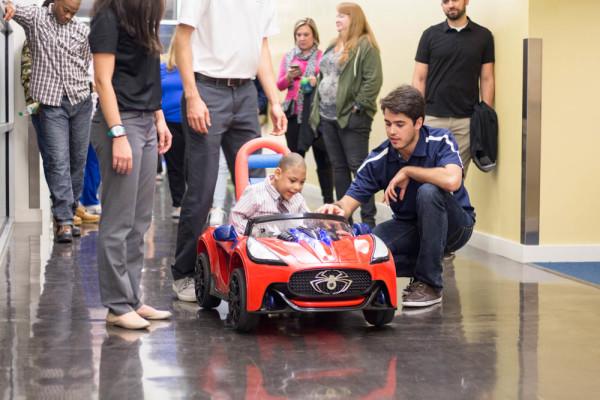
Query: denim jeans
point(63, 142)
point(418, 246)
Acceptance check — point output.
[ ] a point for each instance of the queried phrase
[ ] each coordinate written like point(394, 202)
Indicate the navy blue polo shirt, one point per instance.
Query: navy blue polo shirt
point(436, 148)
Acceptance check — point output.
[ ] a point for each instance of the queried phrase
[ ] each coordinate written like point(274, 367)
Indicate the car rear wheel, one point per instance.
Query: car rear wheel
point(379, 317)
point(239, 317)
point(202, 283)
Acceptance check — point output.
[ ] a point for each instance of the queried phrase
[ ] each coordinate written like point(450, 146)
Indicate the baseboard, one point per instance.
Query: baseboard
point(531, 254)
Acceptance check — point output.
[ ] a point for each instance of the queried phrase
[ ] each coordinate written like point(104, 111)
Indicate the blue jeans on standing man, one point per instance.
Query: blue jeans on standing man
point(441, 226)
point(63, 142)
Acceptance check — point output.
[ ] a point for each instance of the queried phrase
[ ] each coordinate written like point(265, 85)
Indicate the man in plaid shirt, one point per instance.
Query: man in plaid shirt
point(60, 83)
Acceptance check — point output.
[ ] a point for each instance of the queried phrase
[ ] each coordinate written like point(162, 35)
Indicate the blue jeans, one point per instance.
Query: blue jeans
point(91, 179)
point(418, 246)
point(63, 142)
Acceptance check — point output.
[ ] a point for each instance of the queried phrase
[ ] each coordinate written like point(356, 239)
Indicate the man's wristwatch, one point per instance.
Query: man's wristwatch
point(116, 131)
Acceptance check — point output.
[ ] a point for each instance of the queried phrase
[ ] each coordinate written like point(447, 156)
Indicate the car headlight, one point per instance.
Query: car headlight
point(381, 252)
point(261, 254)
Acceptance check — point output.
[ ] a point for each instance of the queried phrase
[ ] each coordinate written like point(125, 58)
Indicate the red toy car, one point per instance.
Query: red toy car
point(295, 262)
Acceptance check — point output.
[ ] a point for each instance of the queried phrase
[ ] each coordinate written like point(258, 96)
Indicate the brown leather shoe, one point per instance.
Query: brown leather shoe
point(420, 294)
point(130, 320)
point(86, 217)
point(63, 234)
point(152, 313)
point(76, 220)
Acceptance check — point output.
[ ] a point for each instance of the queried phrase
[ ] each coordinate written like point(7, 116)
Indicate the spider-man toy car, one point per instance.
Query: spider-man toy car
point(295, 262)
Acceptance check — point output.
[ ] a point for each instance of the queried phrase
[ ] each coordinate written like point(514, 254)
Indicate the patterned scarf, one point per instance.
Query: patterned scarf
point(310, 71)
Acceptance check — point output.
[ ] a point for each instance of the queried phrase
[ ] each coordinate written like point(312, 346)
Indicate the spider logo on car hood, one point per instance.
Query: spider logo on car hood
point(331, 282)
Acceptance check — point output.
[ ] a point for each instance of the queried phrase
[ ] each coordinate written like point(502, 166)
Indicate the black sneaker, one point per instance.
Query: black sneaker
point(63, 234)
point(75, 231)
point(420, 294)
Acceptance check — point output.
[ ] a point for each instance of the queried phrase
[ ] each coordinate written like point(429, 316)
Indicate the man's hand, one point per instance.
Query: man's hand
point(164, 137)
point(197, 114)
point(9, 10)
point(399, 181)
point(279, 120)
point(331, 209)
point(122, 159)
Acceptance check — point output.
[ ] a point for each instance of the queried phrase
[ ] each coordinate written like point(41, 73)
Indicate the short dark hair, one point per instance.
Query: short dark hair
point(291, 160)
point(405, 100)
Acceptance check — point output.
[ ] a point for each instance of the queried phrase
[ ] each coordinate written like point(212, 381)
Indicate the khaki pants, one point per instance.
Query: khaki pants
point(460, 128)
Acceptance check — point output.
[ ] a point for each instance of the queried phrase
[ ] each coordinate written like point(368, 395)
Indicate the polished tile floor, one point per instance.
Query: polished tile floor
point(504, 331)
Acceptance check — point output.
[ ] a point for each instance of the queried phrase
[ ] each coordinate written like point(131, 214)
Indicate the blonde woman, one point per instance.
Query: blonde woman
point(297, 75)
point(345, 100)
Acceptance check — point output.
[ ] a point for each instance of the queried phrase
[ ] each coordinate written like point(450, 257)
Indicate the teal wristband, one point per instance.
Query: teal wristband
point(116, 131)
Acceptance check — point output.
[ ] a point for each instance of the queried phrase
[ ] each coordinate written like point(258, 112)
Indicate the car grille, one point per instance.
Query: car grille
point(330, 282)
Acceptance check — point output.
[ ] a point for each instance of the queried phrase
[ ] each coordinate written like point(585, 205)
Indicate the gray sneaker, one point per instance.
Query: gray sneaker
point(184, 289)
point(420, 294)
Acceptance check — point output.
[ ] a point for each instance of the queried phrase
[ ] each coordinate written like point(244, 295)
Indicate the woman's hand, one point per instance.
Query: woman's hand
point(164, 136)
point(292, 74)
point(122, 159)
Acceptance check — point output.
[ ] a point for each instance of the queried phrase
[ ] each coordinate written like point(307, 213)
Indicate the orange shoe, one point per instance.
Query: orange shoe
point(86, 217)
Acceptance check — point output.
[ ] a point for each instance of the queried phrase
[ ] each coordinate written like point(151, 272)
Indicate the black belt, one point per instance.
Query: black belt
point(228, 82)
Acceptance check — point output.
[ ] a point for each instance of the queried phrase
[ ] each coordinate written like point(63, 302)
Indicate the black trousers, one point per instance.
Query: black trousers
point(298, 141)
point(347, 148)
point(175, 163)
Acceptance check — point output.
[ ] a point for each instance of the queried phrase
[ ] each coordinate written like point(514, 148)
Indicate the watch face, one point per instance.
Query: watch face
point(116, 131)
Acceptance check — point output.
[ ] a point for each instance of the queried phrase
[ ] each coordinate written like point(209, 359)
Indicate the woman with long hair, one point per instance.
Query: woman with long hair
point(345, 100)
point(126, 49)
point(297, 74)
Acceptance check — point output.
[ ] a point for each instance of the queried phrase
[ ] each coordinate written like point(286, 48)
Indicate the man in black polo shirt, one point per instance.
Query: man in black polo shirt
point(454, 66)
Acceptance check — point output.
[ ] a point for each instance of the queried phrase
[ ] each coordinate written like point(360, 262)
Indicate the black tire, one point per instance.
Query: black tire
point(202, 283)
point(239, 318)
point(379, 317)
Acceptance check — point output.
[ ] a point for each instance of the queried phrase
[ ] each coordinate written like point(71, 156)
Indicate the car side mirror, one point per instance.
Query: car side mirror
point(225, 233)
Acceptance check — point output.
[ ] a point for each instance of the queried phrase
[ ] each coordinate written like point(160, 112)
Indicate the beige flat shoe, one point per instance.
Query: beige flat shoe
point(130, 320)
point(152, 313)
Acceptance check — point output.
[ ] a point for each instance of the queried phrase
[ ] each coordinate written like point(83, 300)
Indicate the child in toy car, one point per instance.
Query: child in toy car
point(278, 194)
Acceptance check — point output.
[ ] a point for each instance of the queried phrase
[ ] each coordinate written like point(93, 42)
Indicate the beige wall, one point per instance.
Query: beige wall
point(570, 180)
point(398, 25)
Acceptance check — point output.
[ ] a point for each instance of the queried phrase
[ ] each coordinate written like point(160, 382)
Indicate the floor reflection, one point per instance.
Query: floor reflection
point(503, 331)
point(60, 359)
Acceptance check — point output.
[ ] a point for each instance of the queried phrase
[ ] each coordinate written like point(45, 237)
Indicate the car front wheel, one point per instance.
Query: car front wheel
point(379, 317)
point(239, 317)
point(202, 283)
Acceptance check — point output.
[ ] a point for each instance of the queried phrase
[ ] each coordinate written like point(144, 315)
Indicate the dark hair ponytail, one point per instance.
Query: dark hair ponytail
point(140, 19)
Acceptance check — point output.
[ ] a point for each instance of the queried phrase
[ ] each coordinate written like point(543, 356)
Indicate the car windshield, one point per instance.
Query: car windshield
point(294, 229)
